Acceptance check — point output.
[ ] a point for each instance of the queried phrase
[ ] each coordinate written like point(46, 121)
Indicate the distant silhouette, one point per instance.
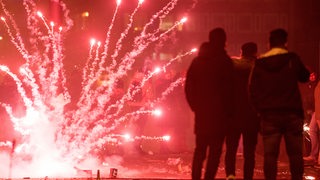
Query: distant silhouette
point(307, 92)
point(275, 95)
point(209, 90)
point(245, 122)
point(317, 112)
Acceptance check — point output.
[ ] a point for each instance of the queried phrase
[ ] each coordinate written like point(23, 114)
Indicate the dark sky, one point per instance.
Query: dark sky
point(244, 20)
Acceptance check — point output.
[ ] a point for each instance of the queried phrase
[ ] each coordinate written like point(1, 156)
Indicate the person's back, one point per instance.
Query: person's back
point(245, 122)
point(317, 101)
point(210, 98)
point(278, 87)
point(209, 87)
point(245, 116)
point(276, 97)
point(316, 114)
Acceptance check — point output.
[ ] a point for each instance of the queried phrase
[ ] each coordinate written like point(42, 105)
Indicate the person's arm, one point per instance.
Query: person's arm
point(252, 87)
point(317, 101)
point(190, 86)
point(303, 72)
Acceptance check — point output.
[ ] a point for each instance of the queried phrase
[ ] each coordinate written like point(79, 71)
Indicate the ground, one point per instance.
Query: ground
point(178, 166)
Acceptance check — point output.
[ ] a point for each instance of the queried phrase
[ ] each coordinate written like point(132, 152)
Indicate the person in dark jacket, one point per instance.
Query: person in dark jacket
point(245, 122)
point(276, 97)
point(209, 90)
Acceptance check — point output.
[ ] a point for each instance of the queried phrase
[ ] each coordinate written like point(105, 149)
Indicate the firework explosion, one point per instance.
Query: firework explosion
point(65, 137)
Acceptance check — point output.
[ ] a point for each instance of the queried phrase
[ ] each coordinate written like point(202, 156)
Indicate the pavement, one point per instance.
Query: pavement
point(164, 165)
point(172, 166)
point(178, 166)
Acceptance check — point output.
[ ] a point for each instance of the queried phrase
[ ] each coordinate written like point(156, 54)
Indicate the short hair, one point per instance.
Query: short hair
point(278, 37)
point(218, 37)
point(249, 49)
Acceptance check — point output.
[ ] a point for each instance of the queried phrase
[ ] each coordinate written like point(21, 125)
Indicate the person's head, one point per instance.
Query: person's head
point(249, 49)
point(218, 37)
point(278, 38)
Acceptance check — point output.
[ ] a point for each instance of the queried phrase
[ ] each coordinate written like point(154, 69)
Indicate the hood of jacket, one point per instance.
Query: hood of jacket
point(275, 59)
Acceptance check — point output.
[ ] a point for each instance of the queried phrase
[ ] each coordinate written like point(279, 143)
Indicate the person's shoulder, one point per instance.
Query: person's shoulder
point(235, 58)
point(236, 61)
point(197, 61)
point(261, 63)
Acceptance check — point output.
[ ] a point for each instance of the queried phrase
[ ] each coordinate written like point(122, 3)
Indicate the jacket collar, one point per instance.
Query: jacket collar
point(274, 51)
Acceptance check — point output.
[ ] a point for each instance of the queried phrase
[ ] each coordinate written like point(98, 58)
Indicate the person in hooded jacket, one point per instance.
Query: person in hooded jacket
point(275, 95)
point(209, 90)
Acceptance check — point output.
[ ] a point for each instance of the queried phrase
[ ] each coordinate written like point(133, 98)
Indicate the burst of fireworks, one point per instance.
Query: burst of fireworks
point(73, 135)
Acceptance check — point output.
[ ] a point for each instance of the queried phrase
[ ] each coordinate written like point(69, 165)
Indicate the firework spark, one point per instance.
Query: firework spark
point(50, 132)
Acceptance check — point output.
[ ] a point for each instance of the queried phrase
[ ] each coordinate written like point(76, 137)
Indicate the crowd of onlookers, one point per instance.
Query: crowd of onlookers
point(261, 94)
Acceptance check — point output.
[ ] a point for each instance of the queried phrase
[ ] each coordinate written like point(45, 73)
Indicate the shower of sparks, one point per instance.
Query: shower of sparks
point(74, 135)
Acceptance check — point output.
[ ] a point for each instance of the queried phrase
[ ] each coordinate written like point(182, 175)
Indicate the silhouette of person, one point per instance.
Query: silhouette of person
point(308, 94)
point(317, 113)
point(210, 97)
point(245, 122)
point(275, 95)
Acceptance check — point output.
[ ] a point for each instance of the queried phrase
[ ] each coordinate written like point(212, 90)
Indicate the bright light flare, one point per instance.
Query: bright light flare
point(309, 177)
point(118, 2)
point(3, 19)
point(127, 137)
point(194, 50)
point(92, 41)
point(39, 14)
point(157, 70)
point(183, 20)
point(166, 137)
point(85, 14)
point(306, 128)
point(52, 24)
point(141, 1)
point(157, 112)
